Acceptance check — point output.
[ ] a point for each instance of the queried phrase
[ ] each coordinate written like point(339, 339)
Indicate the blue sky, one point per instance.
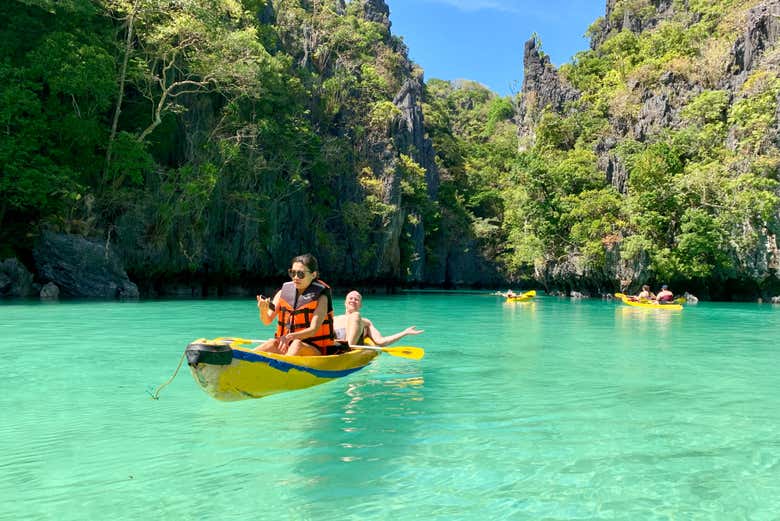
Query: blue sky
point(482, 40)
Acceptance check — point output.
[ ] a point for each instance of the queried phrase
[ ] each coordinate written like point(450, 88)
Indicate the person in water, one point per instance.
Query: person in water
point(354, 329)
point(304, 307)
point(664, 296)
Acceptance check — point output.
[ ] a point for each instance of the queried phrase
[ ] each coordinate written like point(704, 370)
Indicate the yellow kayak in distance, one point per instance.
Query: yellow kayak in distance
point(528, 295)
point(227, 369)
point(647, 304)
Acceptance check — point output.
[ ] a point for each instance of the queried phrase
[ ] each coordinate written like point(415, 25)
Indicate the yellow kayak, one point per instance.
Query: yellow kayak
point(228, 370)
point(647, 303)
point(528, 295)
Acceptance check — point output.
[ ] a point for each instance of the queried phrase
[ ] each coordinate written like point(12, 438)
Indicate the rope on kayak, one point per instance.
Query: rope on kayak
point(156, 394)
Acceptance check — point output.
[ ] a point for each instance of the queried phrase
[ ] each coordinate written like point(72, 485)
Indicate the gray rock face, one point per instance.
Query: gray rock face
point(409, 132)
point(15, 280)
point(542, 89)
point(377, 11)
point(612, 166)
point(466, 267)
point(661, 105)
point(406, 136)
point(81, 267)
point(50, 291)
point(635, 20)
point(761, 33)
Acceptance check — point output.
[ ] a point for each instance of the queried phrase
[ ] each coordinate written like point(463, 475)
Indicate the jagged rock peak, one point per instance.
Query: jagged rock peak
point(377, 11)
point(633, 16)
point(542, 89)
point(538, 72)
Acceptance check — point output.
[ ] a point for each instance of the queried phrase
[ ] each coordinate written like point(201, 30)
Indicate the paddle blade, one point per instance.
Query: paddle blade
point(619, 295)
point(414, 353)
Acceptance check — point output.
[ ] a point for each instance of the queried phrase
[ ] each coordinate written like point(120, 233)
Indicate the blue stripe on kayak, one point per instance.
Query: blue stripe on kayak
point(281, 365)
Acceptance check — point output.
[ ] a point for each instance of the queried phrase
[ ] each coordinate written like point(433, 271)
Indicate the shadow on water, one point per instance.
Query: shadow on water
point(363, 442)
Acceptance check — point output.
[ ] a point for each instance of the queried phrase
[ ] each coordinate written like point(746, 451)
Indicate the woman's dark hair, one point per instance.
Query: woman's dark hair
point(308, 260)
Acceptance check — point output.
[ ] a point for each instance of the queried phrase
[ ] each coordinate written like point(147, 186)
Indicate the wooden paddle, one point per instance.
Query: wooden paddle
point(411, 352)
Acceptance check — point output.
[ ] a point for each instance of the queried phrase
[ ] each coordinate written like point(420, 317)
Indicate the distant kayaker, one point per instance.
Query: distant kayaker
point(304, 308)
point(509, 294)
point(664, 296)
point(353, 328)
point(646, 293)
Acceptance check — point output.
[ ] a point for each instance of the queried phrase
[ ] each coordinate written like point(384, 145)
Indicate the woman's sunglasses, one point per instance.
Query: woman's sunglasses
point(297, 274)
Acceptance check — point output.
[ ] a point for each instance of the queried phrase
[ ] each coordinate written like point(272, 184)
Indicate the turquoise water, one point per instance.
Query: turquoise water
point(552, 409)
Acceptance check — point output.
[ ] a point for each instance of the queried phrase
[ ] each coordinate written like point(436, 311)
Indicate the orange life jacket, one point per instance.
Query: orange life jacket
point(296, 311)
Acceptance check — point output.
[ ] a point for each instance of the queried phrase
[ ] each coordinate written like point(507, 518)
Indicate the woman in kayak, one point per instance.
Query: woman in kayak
point(304, 307)
point(646, 294)
point(354, 329)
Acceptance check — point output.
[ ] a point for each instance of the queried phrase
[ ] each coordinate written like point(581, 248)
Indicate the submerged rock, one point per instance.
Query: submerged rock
point(50, 291)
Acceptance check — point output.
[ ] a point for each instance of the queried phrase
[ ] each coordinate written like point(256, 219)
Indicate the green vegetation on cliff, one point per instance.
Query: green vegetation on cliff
point(690, 145)
point(213, 139)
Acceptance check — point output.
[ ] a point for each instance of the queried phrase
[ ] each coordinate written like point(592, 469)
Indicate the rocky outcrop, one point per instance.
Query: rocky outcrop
point(81, 267)
point(610, 163)
point(465, 266)
point(761, 32)
point(409, 132)
point(662, 103)
point(50, 291)
point(377, 11)
point(15, 280)
point(407, 136)
point(636, 18)
point(543, 89)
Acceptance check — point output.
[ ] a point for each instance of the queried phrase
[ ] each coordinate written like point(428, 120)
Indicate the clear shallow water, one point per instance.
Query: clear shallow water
point(552, 409)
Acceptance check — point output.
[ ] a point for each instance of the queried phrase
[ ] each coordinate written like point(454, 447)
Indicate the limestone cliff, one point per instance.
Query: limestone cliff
point(543, 89)
point(651, 107)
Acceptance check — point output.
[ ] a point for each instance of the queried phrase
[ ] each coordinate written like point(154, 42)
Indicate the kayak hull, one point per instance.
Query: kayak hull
point(650, 305)
point(228, 371)
point(528, 295)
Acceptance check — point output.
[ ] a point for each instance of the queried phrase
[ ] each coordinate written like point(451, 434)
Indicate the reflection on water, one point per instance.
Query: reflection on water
point(637, 315)
point(523, 306)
